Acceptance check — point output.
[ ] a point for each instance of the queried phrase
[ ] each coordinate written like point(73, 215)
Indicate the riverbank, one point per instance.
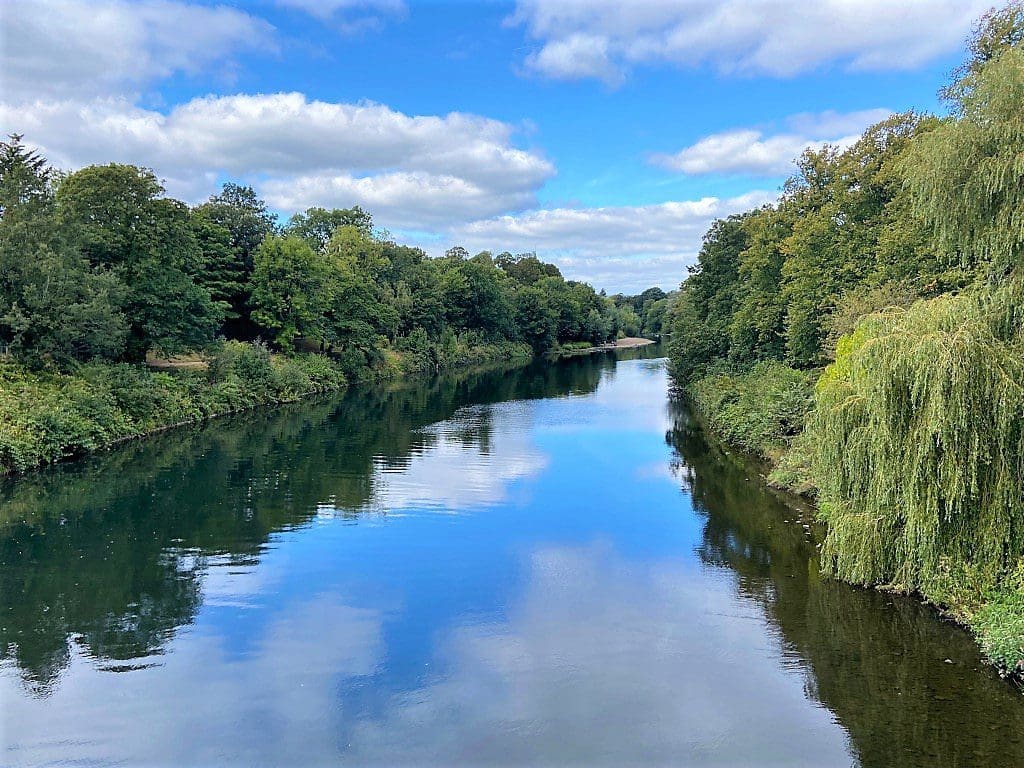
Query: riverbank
point(629, 342)
point(763, 412)
point(46, 417)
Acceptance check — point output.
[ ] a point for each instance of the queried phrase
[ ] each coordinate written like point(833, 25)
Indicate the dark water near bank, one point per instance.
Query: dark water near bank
point(540, 566)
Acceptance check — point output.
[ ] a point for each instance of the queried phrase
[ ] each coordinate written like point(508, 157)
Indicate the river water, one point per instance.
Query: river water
point(545, 565)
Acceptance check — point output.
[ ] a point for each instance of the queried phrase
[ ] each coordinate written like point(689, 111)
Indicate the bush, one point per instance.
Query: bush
point(999, 624)
point(761, 410)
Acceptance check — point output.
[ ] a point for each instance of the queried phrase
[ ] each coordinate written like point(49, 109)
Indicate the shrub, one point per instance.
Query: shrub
point(761, 410)
point(46, 417)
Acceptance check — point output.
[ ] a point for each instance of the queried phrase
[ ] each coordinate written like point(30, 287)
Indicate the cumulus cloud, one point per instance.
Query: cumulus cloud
point(619, 247)
point(604, 39)
point(414, 171)
point(753, 152)
point(64, 48)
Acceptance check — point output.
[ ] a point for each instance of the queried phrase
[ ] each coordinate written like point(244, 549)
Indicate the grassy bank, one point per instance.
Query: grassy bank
point(47, 416)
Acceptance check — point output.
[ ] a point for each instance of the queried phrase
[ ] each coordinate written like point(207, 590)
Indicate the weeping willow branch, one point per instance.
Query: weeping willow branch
point(918, 445)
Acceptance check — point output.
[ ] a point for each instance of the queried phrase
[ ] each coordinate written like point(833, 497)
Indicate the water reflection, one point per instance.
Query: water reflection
point(540, 566)
point(110, 553)
point(607, 661)
point(878, 661)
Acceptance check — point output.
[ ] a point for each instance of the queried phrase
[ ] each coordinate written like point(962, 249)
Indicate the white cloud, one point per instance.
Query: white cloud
point(576, 57)
point(773, 37)
point(619, 248)
point(265, 712)
point(413, 171)
point(65, 48)
point(474, 460)
point(350, 16)
point(752, 152)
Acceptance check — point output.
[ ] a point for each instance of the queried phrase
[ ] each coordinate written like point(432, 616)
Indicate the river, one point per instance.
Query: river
point(544, 565)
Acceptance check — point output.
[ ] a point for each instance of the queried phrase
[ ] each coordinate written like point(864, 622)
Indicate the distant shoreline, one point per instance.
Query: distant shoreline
point(627, 343)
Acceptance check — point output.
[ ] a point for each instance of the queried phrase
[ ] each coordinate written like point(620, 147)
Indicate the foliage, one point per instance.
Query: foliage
point(317, 225)
point(898, 259)
point(919, 443)
point(46, 417)
point(114, 214)
point(966, 173)
point(999, 624)
point(760, 410)
point(289, 283)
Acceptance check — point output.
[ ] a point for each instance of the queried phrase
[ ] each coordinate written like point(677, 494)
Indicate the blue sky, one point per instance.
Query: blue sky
point(605, 135)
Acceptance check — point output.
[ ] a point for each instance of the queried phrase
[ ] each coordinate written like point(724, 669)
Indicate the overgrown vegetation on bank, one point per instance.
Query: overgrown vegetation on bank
point(889, 278)
point(46, 416)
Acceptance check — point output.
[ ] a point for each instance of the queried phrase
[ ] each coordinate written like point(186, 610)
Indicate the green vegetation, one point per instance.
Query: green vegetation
point(47, 416)
point(99, 271)
point(759, 410)
point(644, 314)
point(891, 273)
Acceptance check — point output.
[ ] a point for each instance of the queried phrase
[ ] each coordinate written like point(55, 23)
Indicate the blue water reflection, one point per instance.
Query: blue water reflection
point(524, 581)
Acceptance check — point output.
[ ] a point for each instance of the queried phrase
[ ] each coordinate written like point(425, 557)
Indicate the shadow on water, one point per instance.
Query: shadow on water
point(877, 661)
point(109, 552)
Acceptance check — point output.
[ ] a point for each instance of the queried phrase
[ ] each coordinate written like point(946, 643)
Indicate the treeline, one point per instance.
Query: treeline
point(865, 333)
point(99, 264)
point(643, 314)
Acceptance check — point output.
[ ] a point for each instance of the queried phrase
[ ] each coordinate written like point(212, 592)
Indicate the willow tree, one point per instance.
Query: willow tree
point(919, 445)
point(967, 175)
point(918, 430)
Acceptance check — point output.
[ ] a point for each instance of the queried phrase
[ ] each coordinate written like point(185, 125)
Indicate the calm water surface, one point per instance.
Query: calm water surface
point(547, 565)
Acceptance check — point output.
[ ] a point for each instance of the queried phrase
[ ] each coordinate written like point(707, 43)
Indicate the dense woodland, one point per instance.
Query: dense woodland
point(99, 264)
point(866, 333)
point(100, 271)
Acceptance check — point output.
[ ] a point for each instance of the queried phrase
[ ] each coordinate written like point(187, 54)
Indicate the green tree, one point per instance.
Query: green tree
point(537, 322)
point(114, 215)
point(54, 308)
point(244, 215)
point(702, 314)
point(289, 290)
point(965, 173)
point(317, 225)
point(526, 268)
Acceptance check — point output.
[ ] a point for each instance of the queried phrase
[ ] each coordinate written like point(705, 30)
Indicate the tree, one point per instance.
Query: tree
point(53, 307)
point(487, 306)
point(317, 225)
point(536, 321)
point(218, 270)
point(526, 268)
point(361, 304)
point(654, 318)
point(114, 214)
point(245, 216)
point(965, 174)
point(289, 290)
point(703, 313)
